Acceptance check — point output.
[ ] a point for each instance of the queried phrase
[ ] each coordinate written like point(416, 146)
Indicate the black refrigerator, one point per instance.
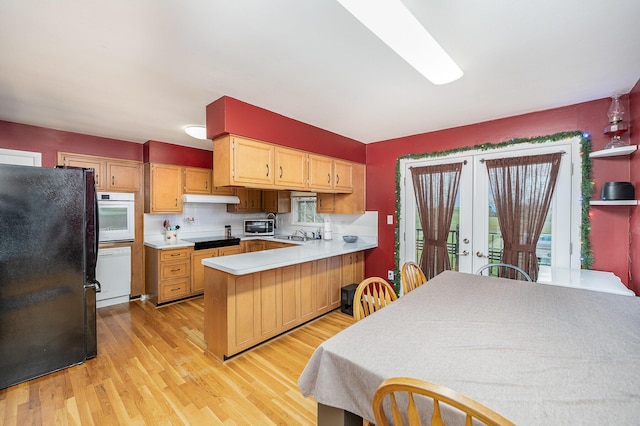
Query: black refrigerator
point(48, 252)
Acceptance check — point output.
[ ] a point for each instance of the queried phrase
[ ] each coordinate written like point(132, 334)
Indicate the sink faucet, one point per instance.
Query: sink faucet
point(302, 232)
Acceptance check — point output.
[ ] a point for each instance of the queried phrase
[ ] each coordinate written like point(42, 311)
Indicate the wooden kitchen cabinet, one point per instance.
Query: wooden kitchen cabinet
point(197, 180)
point(254, 245)
point(290, 168)
point(242, 161)
point(249, 163)
point(98, 164)
point(110, 174)
point(352, 268)
point(320, 173)
point(353, 203)
point(250, 201)
point(167, 274)
point(242, 311)
point(342, 175)
point(163, 188)
point(276, 201)
point(229, 250)
point(197, 268)
point(124, 176)
point(270, 245)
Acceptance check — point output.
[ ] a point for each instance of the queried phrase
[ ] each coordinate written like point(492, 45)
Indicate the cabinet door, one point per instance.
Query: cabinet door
point(354, 202)
point(164, 191)
point(197, 268)
point(276, 201)
point(307, 293)
point(250, 201)
point(252, 162)
point(255, 245)
point(334, 277)
point(291, 168)
point(321, 285)
point(99, 166)
point(229, 250)
point(222, 190)
point(123, 176)
point(269, 322)
point(342, 176)
point(352, 268)
point(289, 296)
point(320, 173)
point(325, 203)
point(197, 180)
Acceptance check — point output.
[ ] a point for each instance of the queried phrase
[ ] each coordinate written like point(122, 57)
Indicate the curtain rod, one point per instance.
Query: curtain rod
point(482, 160)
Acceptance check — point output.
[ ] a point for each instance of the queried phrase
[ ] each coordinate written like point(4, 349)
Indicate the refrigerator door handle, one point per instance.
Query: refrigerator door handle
point(94, 284)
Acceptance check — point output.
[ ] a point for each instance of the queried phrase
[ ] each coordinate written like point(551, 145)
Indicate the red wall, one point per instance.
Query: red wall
point(166, 153)
point(634, 124)
point(229, 115)
point(49, 141)
point(609, 226)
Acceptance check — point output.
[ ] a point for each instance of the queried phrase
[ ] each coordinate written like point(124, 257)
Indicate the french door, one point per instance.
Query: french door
point(475, 237)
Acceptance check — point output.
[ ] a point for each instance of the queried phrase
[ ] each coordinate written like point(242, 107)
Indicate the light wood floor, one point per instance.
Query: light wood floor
point(152, 369)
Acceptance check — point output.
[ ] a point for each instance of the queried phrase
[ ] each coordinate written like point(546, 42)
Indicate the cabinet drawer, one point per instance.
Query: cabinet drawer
point(173, 290)
point(172, 270)
point(166, 255)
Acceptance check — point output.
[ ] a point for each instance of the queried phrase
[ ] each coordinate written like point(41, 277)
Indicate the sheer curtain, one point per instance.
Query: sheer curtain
point(436, 188)
point(522, 189)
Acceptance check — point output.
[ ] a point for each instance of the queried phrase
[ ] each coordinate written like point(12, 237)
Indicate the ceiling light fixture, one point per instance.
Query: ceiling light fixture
point(198, 132)
point(392, 23)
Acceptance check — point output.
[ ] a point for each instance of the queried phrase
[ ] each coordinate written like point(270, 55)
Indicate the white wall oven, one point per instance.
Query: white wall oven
point(116, 216)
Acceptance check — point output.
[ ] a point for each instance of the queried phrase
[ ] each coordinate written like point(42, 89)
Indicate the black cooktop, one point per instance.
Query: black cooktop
point(202, 243)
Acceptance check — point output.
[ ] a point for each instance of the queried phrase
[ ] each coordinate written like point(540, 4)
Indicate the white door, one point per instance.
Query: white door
point(475, 238)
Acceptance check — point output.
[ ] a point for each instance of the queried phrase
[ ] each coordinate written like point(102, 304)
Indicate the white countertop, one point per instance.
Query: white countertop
point(585, 279)
point(248, 263)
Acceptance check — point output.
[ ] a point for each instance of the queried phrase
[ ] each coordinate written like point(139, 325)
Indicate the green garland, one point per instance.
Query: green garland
point(586, 257)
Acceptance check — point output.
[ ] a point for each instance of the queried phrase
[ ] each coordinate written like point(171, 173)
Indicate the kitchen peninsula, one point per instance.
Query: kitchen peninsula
point(252, 297)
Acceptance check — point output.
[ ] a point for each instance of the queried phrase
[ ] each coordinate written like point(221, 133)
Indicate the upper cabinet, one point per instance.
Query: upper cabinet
point(342, 176)
point(197, 180)
point(291, 168)
point(320, 173)
point(242, 162)
point(249, 163)
point(352, 203)
point(109, 174)
point(163, 188)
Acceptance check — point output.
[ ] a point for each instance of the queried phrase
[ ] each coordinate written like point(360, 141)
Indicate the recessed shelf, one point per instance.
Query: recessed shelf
point(612, 152)
point(614, 202)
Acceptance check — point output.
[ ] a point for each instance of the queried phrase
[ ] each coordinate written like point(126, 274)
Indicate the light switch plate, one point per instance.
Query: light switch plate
point(389, 219)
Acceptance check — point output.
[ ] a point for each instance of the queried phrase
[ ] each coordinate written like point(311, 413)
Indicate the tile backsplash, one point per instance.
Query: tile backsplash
point(210, 219)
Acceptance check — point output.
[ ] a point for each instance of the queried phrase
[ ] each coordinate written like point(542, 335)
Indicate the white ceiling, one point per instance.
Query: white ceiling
point(141, 70)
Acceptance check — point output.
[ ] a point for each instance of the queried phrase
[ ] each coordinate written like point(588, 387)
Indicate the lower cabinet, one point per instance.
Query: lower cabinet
point(175, 273)
point(241, 311)
point(167, 274)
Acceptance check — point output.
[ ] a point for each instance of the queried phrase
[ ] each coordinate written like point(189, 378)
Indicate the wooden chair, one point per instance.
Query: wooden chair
point(412, 277)
point(371, 295)
point(504, 265)
point(439, 394)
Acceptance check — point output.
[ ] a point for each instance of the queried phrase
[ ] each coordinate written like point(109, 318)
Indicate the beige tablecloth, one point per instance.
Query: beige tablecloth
point(537, 354)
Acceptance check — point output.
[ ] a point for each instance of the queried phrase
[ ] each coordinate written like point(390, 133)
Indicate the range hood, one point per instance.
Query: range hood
point(210, 199)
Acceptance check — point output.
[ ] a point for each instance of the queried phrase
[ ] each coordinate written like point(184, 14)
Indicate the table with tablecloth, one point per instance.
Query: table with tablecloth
point(537, 354)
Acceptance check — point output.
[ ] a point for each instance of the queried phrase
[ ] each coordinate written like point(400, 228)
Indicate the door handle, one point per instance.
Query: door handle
point(280, 172)
point(267, 169)
point(464, 253)
point(479, 254)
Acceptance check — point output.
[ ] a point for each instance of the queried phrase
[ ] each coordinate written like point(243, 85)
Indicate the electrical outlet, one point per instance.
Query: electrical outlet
point(391, 275)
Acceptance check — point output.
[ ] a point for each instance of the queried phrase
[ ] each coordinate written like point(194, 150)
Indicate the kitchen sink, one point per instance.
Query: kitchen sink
point(292, 238)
